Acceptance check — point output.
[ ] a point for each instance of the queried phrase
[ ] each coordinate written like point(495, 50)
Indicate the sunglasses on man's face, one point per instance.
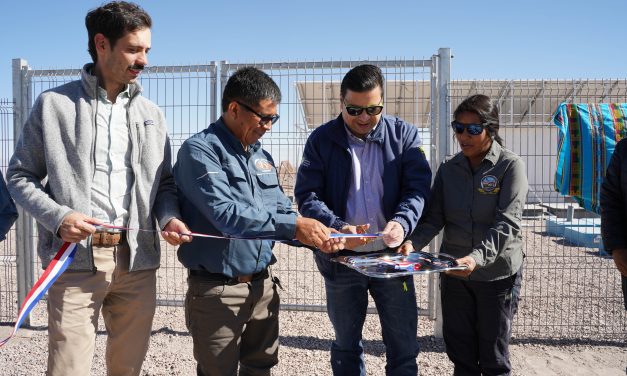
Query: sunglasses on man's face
point(473, 129)
point(356, 110)
point(263, 119)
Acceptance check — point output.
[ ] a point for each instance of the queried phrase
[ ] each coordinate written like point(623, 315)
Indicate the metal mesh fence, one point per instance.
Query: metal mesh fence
point(568, 290)
point(311, 97)
point(186, 95)
point(8, 277)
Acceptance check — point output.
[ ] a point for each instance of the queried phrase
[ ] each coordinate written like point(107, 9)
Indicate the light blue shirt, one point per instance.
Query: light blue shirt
point(113, 176)
point(365, 195)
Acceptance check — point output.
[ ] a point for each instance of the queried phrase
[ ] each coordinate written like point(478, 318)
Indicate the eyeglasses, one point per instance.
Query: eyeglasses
point(263, 119)
point(473, 129)
point(370, 110)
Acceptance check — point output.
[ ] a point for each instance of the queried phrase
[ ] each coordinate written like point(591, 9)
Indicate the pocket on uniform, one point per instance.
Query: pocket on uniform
point(269, 188)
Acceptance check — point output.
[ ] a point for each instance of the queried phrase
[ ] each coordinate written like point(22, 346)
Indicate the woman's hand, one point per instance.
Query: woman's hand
point(469, 262)
point(406, 248)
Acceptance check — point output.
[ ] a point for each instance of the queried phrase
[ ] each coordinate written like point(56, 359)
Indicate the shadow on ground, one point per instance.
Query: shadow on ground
point(374, 348)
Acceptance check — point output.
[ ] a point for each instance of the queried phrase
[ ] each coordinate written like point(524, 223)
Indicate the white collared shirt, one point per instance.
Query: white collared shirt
point(113, 176)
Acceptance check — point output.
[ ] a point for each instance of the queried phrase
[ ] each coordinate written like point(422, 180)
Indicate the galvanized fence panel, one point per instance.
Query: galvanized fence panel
point(569, 291)
point(311, 97)
point(189, 97)
point(561, 298)
point(186, 95)
point(8, 260)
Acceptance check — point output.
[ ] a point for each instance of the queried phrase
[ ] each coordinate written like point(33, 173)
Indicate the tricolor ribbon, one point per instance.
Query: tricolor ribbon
point(59, 263)
point(199, 235)
point(65, 256)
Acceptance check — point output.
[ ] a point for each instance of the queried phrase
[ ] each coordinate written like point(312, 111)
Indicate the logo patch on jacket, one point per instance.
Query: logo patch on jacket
point(489, 185)
point(263, 165)
point(149, 122)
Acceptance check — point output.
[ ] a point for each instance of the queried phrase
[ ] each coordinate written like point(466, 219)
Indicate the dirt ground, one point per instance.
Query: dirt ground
point(305, 341)
point(571, 320)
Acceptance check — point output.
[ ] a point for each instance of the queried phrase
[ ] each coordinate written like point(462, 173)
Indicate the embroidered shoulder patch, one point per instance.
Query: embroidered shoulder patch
point(263, 165)
point(489, 185)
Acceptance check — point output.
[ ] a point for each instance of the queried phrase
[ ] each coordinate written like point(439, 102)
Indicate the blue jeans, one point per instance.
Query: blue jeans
point(347, 302)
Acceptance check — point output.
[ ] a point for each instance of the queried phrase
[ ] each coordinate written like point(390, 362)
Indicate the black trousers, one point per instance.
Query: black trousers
point(624, 290)
point(477, 323)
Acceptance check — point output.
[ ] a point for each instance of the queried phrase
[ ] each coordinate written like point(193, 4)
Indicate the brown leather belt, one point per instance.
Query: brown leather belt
point(107, 239)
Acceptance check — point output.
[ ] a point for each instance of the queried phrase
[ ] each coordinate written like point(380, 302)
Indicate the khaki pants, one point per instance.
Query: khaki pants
point(233, 324)
point(127, 301)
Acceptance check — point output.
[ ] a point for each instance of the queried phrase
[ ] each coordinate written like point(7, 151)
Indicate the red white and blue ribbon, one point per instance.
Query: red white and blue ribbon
point(232, 237)
point(57, 266)
point(65, 256)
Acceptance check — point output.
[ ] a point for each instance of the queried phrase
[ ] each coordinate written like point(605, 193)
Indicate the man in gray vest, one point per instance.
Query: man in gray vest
point(105, 153)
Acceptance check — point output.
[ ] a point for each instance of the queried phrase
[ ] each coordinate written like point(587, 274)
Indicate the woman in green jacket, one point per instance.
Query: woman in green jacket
point(477, 198)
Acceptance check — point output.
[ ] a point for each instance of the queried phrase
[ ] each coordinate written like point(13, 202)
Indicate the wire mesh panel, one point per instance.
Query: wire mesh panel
point(311, 97)
point(569, 291)
point(8, 277)
point(186, 95)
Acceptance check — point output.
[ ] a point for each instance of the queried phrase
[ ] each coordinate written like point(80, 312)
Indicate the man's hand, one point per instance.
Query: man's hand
point(406, 248)
point(333, 244)
point(172, 232)
point(313, 233)
point(620, 259)
point(469, 262)
point(352, 243)
point(393, 234)
point(77, 226)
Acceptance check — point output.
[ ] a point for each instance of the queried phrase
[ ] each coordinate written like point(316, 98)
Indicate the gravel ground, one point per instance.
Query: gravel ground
point(570, 322)
point(305, 340)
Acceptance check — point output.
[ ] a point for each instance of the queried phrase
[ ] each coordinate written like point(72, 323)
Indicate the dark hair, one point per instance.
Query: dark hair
point(250, 85)
point(486, 109)
point(114, 20)
point(362, 78)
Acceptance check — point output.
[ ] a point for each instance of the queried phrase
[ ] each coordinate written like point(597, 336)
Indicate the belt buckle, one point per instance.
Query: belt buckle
point(106, 237)
point(245, 278)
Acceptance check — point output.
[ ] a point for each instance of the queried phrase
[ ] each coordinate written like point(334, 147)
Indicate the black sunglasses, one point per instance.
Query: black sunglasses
point(473, 129)
point(356, 110)
point(263, 119)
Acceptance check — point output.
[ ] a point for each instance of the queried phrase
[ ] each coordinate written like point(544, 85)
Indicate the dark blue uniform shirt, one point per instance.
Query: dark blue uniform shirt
point(225, 190)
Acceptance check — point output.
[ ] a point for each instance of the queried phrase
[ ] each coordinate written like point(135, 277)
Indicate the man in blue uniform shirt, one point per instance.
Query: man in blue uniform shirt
point(228, 185)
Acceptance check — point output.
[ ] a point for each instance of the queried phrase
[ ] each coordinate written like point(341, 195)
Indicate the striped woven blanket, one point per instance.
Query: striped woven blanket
point(588, 134)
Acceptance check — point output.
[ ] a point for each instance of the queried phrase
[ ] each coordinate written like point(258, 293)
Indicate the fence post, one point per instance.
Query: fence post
point(444, 136)
point(24, 224)
point(434, 160)
point(223, 73)
point(213, 90)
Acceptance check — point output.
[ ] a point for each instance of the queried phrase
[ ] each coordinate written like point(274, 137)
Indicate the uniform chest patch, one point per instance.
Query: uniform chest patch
point(263, 165)
point(489, 185)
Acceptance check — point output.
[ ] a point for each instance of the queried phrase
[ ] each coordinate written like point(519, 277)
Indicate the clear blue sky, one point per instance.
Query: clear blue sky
point(503, 39)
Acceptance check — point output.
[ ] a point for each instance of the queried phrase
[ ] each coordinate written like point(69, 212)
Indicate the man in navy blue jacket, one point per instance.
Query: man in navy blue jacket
point(365, 172)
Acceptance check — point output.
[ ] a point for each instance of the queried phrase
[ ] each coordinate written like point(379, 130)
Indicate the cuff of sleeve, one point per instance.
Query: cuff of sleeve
point(403, 224)
point(63, 212)
point(478, 256)
point(167, 217)
point(285, 225)
point(338, 224)
point(164, 222)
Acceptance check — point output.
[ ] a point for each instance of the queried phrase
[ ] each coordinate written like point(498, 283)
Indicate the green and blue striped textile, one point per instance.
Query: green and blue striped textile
point(588, 134)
